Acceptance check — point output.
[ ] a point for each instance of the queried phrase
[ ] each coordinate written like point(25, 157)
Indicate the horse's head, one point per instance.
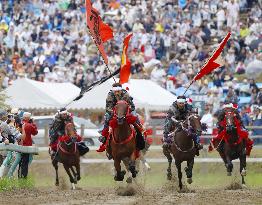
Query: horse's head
point(121, 110)
point(194, 123)
point(70, 131)
point(229, 117)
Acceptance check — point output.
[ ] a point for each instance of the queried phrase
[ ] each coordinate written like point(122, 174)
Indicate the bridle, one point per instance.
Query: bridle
point(189, 129)
point(115, 109)
point(72, 141)
point(229, 118)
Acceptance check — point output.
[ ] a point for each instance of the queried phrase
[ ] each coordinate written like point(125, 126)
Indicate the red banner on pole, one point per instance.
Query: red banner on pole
point(214, 61)
point(100, 31)
point(125, 69)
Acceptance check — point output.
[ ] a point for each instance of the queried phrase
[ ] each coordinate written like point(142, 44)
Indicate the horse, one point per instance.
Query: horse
point(122, 143)
point(183, 147)
point(232, 146)
point(68, 155)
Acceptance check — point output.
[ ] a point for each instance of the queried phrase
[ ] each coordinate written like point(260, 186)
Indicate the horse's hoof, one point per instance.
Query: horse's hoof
point(147, 166)
point(57, 184)
point(189, 180)
point(73, 186)
point(118, 179)
point(169, 176)
point(120, 176)
point(129, 180)
point(244, 186)
point(243, 172)
point(229, 173)
point(134, 173)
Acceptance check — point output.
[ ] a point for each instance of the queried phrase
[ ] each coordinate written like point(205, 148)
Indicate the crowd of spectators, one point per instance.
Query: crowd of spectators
point(47, 40)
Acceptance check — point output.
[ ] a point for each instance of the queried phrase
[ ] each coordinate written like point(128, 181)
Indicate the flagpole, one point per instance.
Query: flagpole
point(109, 70)
point(101, 55)
point(189, 86)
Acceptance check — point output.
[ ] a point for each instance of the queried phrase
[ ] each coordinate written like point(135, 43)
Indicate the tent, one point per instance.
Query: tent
point(29, 94)
point(146, 93)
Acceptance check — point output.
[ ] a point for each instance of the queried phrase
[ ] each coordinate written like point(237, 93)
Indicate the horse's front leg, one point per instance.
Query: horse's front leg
point(78, 171)
point(243, 164)
point(55, 165)
point(229, 165)
point(189, 171)
point(179, 172)
point(166, 152)
point(74, 174)
point(119, 174)
point(132, 165)
point(72, 180)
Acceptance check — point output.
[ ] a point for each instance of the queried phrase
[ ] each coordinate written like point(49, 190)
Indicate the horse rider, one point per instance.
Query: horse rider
point(228, 104)
point(8, 135)
point(115, 94)
point(57, 128)
point(179, 110)
point(231, 105)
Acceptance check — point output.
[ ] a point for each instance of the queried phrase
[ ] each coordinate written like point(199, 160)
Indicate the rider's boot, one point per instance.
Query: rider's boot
point(198, 146)
point(167, 142)
point(53, 149)
point(103, 139)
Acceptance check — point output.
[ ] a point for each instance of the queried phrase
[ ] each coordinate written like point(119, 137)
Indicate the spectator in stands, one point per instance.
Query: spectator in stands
point(207, 118)
point(245, 117)
point(257, 121)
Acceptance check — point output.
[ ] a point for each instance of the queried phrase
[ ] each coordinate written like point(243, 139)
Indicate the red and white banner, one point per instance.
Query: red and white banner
point(125, 69)
point(215, 61)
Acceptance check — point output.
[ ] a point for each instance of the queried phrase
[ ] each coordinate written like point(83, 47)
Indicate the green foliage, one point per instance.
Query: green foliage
point(7, 184)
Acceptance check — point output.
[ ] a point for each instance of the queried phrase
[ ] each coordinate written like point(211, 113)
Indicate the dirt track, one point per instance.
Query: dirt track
point(106, 196)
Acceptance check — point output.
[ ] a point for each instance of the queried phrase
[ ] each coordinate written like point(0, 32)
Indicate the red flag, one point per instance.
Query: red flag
point(214, 61)
point(106, 31)
point(125, 69)
point(100, 31)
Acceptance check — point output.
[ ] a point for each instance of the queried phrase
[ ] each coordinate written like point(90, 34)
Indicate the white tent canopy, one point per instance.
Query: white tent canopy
point(146, 93)
point(25, 93)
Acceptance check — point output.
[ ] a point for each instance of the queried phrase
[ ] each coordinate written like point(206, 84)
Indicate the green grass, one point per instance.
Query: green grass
point(256, 152)
point(211, 175)
point(7, 184)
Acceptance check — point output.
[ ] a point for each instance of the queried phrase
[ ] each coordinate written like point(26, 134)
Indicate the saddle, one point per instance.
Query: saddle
point(83, 149)
point(140, 142)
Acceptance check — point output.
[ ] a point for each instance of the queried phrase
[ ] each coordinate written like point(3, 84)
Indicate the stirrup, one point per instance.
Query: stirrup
point(109, 156)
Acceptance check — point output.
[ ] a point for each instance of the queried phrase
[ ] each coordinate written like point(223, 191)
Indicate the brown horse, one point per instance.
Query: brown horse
point(122, 145)
point(183, 147)
point(68, 155)
point(233, 148)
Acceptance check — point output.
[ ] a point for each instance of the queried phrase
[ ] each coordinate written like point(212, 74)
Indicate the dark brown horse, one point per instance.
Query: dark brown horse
point(68, 155)
point(123, 142)
point(183, 147)
point(233, 148)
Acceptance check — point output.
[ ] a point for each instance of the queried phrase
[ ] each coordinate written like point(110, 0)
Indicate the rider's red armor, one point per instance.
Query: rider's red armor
point(59, 131)
point(242, 133)
point(131, 119)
